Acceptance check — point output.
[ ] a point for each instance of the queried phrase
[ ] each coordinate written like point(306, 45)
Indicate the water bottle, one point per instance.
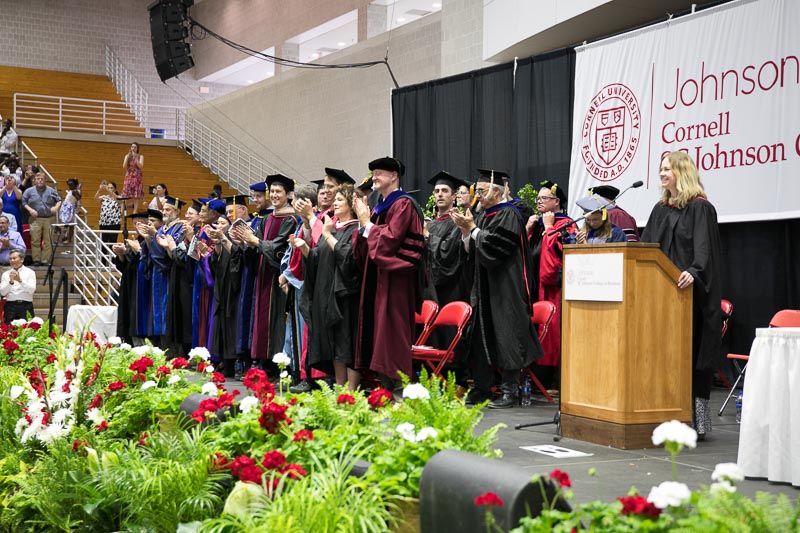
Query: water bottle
point(739, 407)
point(525, 395)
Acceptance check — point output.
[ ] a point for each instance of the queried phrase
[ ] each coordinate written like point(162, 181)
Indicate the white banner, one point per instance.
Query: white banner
point(722, 85)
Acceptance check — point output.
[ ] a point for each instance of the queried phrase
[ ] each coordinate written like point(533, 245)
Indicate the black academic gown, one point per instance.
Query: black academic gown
point(226, 267)
point(502, 329)
point(690, 238)
point(126, 311)
point(179, 305)
point(329, 301)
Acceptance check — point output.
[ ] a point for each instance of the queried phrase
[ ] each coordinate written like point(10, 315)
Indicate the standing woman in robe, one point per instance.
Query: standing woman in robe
point(332, 291)
point(684, 224)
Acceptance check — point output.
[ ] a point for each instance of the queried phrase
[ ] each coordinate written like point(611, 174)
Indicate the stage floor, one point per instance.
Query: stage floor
point(618, 470)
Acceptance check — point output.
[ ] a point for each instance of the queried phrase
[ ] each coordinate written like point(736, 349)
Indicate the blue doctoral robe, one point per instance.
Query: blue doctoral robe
point(246, 307)
point(160, 265)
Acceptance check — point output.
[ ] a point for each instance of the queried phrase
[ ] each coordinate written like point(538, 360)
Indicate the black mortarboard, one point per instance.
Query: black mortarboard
point(340, 176)
point(155, 213)
point(288, 183)
point(608, 192)
point(318, 183)
point(197, 205)
point(174, 202)
point(239, 199)
point(142, 214)
point(447, 179)
point(366, 184)
point(388, 163)
point(489, 175)
point(261, 186)
point(556, 190)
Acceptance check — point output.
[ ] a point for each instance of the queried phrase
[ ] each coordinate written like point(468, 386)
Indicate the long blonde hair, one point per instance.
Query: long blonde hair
point(687, 180)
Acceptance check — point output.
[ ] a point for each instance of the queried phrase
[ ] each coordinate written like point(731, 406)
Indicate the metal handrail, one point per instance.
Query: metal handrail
point(96, 116)
point(127, 86)
point(232, 164)
point(95, 276)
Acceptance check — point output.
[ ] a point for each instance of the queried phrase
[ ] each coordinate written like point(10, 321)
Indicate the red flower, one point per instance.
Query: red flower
point(218, 377)
point(240, 463)
point(303, 435)
point(34, 325)
point(163, 370)
point(142, 439)
point(292, 400)
point(220, 462)
point(65, 386)
point(78, 444)
point(141, 365)
point(201, 367)
point(489, 498)
point(293, 471)
point(117, 385)
point(53, 335)
point(379, 398)
point(10, 346)
point(51, 358)
point(272, 414)
point(209, 405)
point(179, 362)
point(256, 380)
point(273, 460)
point(251, 474)
point(96, 402)
point(562, 478)
point(638, 505)
point(345, 398)
point(224, 400)
point(103, 426)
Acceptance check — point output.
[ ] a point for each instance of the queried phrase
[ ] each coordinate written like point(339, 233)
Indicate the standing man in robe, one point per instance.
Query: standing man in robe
point(389, 247)
point(503, 336)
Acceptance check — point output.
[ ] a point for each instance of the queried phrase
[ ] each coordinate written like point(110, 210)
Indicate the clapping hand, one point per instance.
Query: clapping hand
point(465, 221)
point(300, 244)
point(304, 208)
point(362, 211)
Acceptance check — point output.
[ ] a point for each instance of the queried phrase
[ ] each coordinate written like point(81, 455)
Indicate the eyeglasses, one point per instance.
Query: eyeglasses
point(545, 198)
point(481, 192)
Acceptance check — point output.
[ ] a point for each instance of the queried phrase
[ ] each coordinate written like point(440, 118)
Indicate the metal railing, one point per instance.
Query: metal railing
point(127, 86)
point(95, 277)
point(96, 116)
point(236, 166)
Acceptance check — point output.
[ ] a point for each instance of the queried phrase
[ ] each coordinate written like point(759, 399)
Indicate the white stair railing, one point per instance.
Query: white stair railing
point(127, 86)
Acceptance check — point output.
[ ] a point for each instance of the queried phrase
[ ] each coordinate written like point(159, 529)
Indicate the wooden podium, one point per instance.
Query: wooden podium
point(626, 365)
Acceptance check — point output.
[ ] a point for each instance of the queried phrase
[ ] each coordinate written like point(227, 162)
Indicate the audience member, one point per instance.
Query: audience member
point(8, 141)
point(42, 203)
point(133, 187)
point(11, 198)
point(17, 285)
point(9, 240)
point(159, 192)
point(110, 210)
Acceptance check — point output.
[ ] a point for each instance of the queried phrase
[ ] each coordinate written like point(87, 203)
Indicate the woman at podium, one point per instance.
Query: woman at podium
point(684, 224)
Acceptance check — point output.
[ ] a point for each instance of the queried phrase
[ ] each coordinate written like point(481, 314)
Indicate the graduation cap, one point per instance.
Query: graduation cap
point(155, 213)
point(173, 202)
point(142, 214)
point(339, 176)
point(238, 199)
point(280, 179)
point(606, 191)
point(197, 205)
point(216, 205)
point(388, 163)
point(556, 191)
point(595, 202)
point(445, 178)
point(261, 186)
point(489, 175)
point(366, 184)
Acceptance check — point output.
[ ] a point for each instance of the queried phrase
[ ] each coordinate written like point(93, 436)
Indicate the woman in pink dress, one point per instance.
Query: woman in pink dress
point(133, 187)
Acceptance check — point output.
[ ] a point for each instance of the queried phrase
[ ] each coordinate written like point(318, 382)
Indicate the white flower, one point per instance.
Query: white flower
point(424, 433)
point(114, 340)
point(722, 486)
point(148, 384)
point(406, 429)
point(125, 346)
point(729, 472)
point(31, 339)
point(19, 322)
point(210, 389)
point(210, 369)
point(173, 379)
point(284, 374)
point(669, 494)
point(95, 416)
point(416, 391)
point(281, 359)
point(200, 353)
point(61, 415)
point(155, 350)
point(16, 391)
point(36, 320)
point(20, 427)
point(676, 432)
point(141, 350)
point(248, 404)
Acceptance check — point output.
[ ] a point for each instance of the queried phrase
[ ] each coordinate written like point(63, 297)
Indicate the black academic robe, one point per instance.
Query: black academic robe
point(226, 267)
point(501, 300)
point(690, 238)
point(179, 306)
point(269, 315)
point(126, 311)
point(329, 301)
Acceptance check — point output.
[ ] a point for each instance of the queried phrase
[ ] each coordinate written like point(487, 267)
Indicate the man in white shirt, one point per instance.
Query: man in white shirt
point(17, 285)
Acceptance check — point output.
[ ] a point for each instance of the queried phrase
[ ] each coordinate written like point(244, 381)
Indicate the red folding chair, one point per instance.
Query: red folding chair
point(425, 318)
point(727, 311)
point(786, 318)
point(454, 314)
point(543, 313)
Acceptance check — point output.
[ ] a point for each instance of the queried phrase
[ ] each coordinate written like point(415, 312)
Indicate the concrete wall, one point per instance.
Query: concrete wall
point(462, 36)
point(304, 120)
point(69, 35)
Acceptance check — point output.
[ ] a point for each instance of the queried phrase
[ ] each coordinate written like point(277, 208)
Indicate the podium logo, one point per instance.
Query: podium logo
point(610, 132)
